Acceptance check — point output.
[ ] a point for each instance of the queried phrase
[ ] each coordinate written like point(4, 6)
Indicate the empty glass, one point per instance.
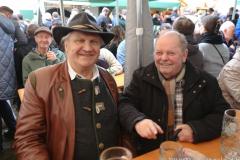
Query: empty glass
point(230, 138)
point(116, 153)
point(170, 150)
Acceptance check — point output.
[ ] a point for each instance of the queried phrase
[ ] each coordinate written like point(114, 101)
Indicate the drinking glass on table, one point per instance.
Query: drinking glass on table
point(171, 150)
point(230, 138)
point(116, 153)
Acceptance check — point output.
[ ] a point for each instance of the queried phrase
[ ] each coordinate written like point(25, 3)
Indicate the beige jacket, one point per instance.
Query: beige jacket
point(229, 81)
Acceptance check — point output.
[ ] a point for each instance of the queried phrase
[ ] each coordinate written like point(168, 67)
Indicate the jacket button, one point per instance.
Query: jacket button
point(101, 146)
point(194, 92)
point(98, 125)
point(199, 85)
point(204, 81)
point(159, 120)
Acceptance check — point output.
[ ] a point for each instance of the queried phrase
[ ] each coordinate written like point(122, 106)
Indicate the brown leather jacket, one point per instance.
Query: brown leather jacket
point(46, 122)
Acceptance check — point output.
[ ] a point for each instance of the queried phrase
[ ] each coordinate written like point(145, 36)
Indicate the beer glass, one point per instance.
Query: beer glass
point(230, 137)
point(171, 150)
point(116, 153)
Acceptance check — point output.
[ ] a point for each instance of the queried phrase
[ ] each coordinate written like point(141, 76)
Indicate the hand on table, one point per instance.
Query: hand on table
point(146, 128)
point(186, 133)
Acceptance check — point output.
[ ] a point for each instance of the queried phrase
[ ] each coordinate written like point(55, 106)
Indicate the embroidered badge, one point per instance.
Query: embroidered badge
point(97, 90)
point(81, 91)
point(99, 107)
point(87, 109)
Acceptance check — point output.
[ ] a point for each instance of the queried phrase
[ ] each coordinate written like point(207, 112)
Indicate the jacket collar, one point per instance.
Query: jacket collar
point(150, 75)
point(73, 73)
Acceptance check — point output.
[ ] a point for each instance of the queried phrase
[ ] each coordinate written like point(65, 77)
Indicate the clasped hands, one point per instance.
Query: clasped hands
point(146, 128)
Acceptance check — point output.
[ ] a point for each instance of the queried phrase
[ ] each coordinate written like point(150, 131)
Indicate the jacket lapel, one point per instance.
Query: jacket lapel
point(66, 106)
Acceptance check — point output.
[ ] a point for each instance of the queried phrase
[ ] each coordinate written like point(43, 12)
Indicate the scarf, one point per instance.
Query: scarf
point(170, 87)
point(211, 38)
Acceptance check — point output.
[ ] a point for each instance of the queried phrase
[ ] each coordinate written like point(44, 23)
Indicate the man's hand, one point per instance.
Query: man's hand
point(186, 133)
point(146, 128)
point(51, 56)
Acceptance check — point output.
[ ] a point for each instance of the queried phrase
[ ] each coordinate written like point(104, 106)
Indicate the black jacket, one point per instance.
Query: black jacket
point(203, 105)
point(194, 54)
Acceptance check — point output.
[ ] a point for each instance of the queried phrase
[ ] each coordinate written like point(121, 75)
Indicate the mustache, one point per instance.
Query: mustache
point(164, 63)
point(86, 54)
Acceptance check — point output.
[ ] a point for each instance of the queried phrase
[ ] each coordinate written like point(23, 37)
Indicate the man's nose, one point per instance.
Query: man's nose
point(164, 56)
point(87, 46)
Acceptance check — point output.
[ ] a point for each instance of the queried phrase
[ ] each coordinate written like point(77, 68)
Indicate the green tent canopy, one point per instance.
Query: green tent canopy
point(164, 4)
point(160, 4)
point(152, 3)
point(27, 14)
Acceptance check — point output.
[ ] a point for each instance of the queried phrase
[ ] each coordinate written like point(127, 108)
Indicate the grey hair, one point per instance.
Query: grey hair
point(63, 40)
point(182, 39)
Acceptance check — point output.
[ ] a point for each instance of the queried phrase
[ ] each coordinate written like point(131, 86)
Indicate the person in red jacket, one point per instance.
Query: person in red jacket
point(69, 110)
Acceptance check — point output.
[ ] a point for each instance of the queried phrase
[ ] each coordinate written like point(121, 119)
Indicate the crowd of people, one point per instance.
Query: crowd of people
point(72, 108)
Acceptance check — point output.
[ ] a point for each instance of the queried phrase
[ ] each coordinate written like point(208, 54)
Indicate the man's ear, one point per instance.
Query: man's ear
point(65, 45)
point(185, 55)
point(225, 30)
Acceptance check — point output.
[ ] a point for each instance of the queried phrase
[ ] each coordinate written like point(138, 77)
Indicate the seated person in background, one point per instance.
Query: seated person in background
point(41, 56)
point(121, 53)
point(215, 52)
point(170, 94)
point(22, 51)
point(229, 81)
point(113, 66)
point(227, 30)
point(119, 35)
point(185, 26)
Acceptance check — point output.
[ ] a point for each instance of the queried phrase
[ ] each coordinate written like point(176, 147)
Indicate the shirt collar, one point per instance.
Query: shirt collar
point(73, 74)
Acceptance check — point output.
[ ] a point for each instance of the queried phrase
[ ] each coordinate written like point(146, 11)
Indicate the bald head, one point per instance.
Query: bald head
point(170, 53)
point(171, 33)
point(228, 29)
point(226, 25)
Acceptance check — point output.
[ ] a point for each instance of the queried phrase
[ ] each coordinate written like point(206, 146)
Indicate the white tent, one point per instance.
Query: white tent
point(139, 37)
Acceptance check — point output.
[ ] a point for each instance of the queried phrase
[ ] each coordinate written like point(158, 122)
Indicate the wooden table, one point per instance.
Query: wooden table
point(119, 80)
point(210, 149)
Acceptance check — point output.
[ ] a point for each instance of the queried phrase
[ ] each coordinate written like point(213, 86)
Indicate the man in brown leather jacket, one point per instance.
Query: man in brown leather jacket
point(69, 110)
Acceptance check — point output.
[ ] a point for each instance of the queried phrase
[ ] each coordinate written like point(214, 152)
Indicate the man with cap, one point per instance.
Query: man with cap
point(42, 55)
point(69, 110)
